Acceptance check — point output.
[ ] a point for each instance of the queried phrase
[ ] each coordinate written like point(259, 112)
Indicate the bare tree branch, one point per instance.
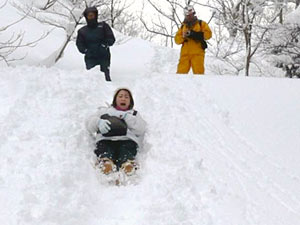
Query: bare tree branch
point(15, 41)
point(168, 20)
point(49, 4)
point(154, 31)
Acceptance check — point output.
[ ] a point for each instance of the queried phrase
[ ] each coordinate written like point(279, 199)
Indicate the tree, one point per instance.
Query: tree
point(168, 19)
point(228, 50)
point(247, 19)
point(14, 41)
point(284, 44)
point(115, 11)
point(118, 14)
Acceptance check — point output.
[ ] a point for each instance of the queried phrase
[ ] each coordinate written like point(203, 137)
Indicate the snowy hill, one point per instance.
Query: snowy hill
point(218, 149)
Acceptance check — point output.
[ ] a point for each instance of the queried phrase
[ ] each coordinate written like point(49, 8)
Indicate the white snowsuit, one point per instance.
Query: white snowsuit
point(135, 124)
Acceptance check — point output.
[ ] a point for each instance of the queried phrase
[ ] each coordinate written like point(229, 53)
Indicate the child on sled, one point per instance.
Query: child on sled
point(119, 133)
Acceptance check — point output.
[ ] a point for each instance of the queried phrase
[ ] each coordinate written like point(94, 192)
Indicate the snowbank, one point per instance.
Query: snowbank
point(216, 150)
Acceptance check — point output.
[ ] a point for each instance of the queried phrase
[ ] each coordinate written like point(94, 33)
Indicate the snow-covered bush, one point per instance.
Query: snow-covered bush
point(285, 45)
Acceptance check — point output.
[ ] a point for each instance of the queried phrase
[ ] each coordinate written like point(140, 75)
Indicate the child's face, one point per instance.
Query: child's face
point(123, 100)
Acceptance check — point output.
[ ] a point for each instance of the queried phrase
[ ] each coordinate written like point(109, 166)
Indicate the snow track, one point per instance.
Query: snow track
point(196, 167)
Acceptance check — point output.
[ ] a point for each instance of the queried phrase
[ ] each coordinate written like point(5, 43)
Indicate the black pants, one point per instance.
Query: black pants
point(106, 72)
point(118, 151)
point(104, 66)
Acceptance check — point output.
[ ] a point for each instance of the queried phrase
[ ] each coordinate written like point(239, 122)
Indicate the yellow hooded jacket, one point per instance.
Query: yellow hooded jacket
point(190, 46)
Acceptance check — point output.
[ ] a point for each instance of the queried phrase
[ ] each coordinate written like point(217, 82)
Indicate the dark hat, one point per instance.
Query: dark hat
point(90, 9)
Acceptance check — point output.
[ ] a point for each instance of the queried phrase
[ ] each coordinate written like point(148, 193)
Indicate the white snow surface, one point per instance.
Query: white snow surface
point(219, 150)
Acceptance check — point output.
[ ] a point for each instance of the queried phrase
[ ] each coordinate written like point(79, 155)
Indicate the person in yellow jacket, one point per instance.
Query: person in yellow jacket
point(192, 36)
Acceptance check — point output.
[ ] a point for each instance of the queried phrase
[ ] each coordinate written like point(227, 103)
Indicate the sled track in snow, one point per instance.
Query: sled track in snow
point(195, 168)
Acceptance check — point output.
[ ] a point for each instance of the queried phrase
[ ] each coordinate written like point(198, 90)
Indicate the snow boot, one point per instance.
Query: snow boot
point(106, 165)
point(129, 167)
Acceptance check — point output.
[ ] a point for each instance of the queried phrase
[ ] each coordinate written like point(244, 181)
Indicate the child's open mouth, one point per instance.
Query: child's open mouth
point(123, 104)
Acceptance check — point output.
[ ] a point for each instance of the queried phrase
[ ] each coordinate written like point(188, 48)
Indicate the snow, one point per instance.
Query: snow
point(218, 149)
point(293, 17)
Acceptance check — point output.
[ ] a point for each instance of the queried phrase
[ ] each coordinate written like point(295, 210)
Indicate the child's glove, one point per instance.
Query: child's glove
point(104, 126)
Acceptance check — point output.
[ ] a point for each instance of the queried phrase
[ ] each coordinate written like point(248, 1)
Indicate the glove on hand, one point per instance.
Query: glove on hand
point(104, 126)
point(196, 35)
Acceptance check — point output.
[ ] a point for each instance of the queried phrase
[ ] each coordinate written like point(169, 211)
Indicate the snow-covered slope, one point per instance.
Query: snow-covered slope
point(198, 166)
point(218, 150)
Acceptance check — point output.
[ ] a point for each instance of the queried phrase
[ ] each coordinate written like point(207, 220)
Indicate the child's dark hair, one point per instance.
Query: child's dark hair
point(131, 104)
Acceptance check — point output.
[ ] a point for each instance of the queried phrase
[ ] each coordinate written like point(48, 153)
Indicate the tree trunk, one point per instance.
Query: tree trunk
point(61, 52)
point(281, 16)
point(247, 34)
point(248, 59)
point(112, 16)
point(297, 3)
point(68, 39)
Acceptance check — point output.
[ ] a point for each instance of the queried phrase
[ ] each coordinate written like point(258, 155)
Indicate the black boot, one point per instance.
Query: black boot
point(107, 76)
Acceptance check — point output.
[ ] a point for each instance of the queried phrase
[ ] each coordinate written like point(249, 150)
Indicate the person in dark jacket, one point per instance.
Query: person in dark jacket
point(93, 40)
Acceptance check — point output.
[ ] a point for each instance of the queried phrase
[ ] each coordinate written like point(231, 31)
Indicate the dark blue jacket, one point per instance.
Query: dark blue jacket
point(94, 42)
